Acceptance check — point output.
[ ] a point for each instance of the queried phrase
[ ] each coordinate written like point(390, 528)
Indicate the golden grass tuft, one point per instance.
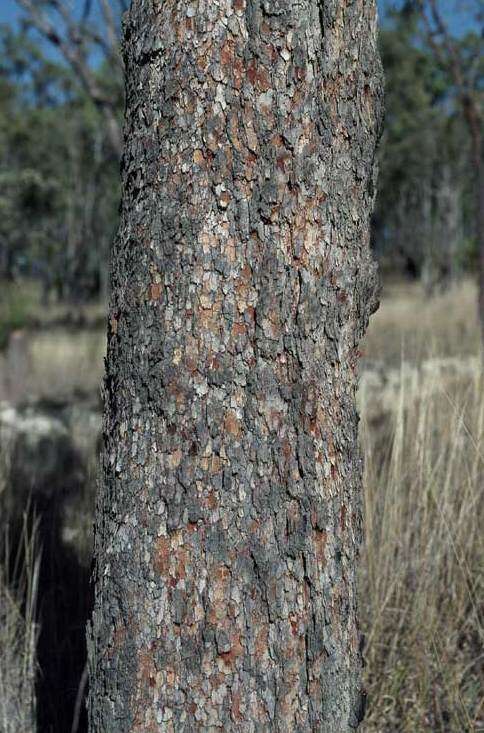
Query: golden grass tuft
point(19, 578)
point(421, 581)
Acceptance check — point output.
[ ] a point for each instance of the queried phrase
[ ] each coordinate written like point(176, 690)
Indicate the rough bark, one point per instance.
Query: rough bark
point(228, 519)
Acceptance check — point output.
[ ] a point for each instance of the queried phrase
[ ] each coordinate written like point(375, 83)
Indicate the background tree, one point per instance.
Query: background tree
point(59, 195)
point(462, 60)
point(424, 209)
point(228, 521)
point(77, 37)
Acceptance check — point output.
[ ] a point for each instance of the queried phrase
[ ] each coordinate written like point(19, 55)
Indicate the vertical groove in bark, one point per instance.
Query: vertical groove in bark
point(228, 519)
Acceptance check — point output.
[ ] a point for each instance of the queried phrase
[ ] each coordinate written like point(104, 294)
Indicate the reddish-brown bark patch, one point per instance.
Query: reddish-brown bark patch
point(227, 54)
point(234, 653)
point(239, 329)
point(261, 642)
point(258, 76)
point(162, 555)
point(155, 291)
point(320, 538)
point(235, 706)
point(232, 424)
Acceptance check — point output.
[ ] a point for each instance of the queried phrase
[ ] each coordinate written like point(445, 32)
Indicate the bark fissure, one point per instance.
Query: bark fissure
point(228, 516)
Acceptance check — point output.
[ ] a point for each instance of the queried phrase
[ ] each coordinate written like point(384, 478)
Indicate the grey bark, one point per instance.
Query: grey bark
point(228, 518)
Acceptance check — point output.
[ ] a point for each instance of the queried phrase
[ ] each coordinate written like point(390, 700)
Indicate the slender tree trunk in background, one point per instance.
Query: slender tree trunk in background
point(449, 234)
point(423, 197)
point(473, 117)
point(228, 520)
point(480, 228)
point(447, 52)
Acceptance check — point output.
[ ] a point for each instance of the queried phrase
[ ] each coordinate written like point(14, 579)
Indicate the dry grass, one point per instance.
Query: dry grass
point(63, 363)
point(19, 576)
point(421, 572)
point(410, 324)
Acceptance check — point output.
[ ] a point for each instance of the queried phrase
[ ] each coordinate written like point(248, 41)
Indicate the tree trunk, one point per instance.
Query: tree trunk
point(479, 173)
point(228, 519)
point(473, 117)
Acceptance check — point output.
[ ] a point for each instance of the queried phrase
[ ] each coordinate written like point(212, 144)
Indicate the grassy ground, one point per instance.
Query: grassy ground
point(411, 326)
point(20, 308)
point(19, 576)
point(421, 585)
point(52, 352)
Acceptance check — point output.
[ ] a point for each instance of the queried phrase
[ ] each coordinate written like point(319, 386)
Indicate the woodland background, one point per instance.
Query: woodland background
point(421, 398)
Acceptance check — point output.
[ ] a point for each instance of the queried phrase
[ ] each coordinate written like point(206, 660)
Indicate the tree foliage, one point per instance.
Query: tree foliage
point(58, 177)
point(424, 211)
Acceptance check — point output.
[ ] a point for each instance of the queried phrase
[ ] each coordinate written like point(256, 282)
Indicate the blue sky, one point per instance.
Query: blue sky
point(9, 12)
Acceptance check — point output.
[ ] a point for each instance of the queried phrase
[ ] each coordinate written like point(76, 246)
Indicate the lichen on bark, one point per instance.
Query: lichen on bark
point(228, 518)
